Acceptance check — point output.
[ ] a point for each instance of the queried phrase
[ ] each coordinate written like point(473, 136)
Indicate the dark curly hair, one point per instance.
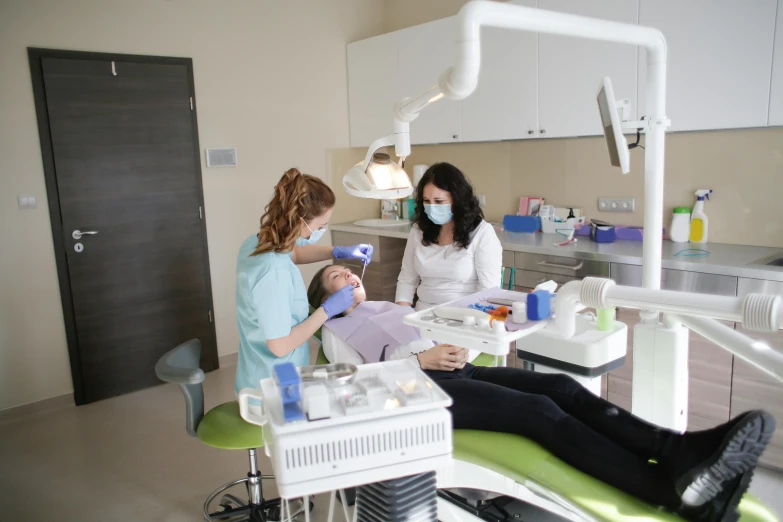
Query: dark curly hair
point(464, 204)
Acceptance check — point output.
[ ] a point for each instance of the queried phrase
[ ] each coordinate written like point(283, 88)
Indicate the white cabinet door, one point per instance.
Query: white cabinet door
point(504, 106)
point(719, 57)
point(570, 70)
point(372, 88)
point(776, 93)
point(425, 52)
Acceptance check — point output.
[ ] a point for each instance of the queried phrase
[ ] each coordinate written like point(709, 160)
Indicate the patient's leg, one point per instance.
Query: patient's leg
point(625, 429)
point(485, 406)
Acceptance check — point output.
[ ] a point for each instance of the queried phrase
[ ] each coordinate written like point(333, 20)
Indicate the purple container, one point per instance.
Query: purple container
point(633, 233)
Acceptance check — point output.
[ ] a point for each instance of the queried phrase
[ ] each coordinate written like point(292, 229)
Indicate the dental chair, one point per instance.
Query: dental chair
point(485, 465)
point(222, 428)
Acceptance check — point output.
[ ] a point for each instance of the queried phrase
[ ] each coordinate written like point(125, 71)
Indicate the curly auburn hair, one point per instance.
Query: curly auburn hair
point(297, 197)
point(464, 204)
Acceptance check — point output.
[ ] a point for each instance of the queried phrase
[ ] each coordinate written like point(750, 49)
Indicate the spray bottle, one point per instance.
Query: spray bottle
point(699, 220)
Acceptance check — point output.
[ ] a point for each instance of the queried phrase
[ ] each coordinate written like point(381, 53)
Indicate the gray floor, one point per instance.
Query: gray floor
point(128, 458)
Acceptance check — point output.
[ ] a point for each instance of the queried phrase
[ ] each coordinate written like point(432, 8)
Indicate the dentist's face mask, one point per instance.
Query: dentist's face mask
point(315, 235)
point(439, 214)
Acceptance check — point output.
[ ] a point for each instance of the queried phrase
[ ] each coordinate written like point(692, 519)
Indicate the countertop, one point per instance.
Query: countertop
point(724, 259)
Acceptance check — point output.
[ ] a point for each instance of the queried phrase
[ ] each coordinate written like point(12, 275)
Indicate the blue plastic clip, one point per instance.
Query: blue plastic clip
point(290, 384)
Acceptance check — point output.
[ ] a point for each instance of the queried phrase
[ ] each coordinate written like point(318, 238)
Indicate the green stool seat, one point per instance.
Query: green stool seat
point(522, 460)
point(223, 428)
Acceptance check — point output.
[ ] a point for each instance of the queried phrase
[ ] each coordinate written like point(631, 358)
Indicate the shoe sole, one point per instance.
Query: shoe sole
point(731, 508)
point(739, 452)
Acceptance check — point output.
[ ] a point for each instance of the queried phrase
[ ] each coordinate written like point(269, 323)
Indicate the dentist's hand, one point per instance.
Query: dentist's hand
point(443, 357)
point(362, 252)
point(339, 301)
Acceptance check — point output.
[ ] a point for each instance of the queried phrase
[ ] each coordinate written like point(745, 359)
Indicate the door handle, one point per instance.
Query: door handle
point(565, 267)
point(77, 234)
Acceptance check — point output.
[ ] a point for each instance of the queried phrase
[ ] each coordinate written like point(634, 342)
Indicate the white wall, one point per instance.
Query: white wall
point(270, 80)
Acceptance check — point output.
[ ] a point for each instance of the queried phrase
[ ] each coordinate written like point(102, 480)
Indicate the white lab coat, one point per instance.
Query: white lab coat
point(440, 274)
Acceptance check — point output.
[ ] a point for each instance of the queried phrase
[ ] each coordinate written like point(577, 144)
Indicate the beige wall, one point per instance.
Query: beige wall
point(743, 167)
point(270, 80)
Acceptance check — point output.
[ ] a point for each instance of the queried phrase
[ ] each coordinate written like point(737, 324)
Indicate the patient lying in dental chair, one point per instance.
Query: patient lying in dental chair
point(699, 475)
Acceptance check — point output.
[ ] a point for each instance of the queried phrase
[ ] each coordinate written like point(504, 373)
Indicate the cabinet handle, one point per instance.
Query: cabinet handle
point(565, 267)
point(531, 132)
point(542, 131)
point(455, 136)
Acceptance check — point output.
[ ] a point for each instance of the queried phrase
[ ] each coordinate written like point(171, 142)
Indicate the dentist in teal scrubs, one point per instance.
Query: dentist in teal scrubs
point(272, 309)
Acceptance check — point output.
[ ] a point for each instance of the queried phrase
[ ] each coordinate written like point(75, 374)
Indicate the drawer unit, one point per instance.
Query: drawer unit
point(559, 265)
point(528, 279)
point(679, 280)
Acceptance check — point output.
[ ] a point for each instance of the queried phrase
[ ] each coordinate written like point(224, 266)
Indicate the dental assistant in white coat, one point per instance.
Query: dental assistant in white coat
point(451, 251)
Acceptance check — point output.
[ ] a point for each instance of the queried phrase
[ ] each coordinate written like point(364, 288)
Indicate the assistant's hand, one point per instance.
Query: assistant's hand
point(361, 251)
point(339, 302)
point(443, 357)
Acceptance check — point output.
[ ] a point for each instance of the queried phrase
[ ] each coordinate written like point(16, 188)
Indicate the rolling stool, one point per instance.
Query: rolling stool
point(222, 428)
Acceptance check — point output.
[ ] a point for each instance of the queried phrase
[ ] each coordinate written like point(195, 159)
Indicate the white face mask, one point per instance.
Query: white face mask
point(315, 235)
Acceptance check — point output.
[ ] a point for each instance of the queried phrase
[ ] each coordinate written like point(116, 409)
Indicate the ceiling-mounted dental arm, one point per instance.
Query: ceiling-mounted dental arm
point(459, 82)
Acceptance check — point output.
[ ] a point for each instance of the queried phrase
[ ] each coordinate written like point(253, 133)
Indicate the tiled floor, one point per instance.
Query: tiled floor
point(129, 458)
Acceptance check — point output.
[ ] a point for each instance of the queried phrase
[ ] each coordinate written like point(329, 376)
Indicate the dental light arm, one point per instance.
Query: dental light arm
point(459, 82)
point(763, 313)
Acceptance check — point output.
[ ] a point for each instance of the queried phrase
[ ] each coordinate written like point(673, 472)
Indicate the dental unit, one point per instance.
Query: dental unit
point(505, 464)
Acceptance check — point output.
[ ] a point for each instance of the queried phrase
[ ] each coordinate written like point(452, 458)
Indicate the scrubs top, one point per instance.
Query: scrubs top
point(271, 299)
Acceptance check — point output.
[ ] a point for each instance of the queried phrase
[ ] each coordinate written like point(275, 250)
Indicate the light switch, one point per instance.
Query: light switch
point(27, 202)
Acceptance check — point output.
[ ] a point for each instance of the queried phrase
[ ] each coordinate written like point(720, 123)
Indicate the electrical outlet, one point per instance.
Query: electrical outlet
point(27, 202)
point(482, 199)
point(617, 204)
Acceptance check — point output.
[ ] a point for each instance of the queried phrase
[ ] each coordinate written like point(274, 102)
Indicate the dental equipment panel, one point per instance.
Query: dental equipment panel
point(615, 141)
point(389, 420)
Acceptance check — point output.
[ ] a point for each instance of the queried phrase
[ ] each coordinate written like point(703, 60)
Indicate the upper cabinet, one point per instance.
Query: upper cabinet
point(570, 70)
point(719, 57)
point(372, 88)
point(504, 106)
point(720, 73)
point(776, 92)
point(425, 52)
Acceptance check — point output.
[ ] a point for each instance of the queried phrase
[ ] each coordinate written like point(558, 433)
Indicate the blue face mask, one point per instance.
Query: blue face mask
point(315, 235)
point(438, 214)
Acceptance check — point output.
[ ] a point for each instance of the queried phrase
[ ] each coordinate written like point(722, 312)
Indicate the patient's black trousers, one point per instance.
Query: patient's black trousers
point(580, 428)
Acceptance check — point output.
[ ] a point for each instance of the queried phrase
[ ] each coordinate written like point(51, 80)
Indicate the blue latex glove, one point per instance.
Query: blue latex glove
point(362, 252)
point(339, 301)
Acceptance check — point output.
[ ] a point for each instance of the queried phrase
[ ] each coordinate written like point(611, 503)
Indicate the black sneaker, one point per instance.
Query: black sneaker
point(738, 453)
point(724, 506)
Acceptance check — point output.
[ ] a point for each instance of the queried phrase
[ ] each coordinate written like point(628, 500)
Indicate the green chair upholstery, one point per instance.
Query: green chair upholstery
point(522, 460)
point(223, 428)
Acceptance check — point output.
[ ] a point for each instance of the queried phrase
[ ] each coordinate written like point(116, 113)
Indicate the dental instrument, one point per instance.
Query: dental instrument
point(364, 267)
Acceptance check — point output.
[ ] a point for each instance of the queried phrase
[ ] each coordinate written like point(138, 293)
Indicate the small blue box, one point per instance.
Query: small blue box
point(539, 305)
point(289, 382)
point(522, 223)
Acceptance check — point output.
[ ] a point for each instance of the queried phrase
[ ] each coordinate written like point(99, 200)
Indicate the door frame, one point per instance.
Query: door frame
point(35, 56)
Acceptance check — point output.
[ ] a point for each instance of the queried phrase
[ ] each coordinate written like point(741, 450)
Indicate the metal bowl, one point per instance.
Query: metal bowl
point(331, 374)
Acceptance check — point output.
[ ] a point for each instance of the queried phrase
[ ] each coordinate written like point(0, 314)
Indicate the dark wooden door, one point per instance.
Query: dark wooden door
point(123, 144)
